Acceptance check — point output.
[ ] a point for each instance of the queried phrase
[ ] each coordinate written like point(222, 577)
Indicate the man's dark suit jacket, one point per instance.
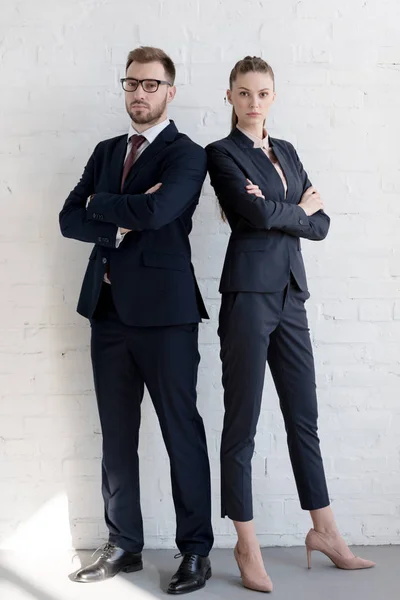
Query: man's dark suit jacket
point(153, 282)
point(264, 247)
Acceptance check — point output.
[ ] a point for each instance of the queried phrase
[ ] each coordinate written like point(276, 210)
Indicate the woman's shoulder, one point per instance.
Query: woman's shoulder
point(283, 144)
point(222, 145)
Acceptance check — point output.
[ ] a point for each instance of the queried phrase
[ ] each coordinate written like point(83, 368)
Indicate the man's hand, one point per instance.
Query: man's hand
point(311, 201)
point(149, 191)
point(254, 189)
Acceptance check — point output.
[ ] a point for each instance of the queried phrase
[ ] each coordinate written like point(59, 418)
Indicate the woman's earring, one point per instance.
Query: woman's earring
point(225, 101)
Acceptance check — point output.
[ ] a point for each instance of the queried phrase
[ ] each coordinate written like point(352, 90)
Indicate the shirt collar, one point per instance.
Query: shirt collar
point(151, 133)
point(258, 142)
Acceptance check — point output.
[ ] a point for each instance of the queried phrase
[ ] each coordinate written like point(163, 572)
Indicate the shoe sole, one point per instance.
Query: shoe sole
point(133, 568)
point(200, 587)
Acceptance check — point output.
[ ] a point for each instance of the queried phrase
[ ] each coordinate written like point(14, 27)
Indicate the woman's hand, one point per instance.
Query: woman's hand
point(311, 201)
point(254, 189)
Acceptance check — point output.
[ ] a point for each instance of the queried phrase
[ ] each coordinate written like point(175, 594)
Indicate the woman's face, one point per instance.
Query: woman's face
point(252, 95)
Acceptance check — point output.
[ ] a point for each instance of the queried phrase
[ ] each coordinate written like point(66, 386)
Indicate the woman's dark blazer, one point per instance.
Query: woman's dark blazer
point(264, 246)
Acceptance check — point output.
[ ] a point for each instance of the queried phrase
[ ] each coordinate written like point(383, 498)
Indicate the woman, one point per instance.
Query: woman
point(270, 204)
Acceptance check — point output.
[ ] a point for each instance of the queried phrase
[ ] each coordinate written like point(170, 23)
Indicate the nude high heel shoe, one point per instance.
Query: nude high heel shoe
point(318, 541)
point(249, 580)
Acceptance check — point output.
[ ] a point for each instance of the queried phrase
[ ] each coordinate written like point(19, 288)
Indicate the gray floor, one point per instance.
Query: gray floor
point(27, 576)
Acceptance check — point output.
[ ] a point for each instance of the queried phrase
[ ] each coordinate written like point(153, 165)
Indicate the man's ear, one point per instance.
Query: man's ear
point(171, 93)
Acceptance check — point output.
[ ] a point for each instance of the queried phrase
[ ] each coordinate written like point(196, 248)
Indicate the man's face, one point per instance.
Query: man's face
point(148, 108)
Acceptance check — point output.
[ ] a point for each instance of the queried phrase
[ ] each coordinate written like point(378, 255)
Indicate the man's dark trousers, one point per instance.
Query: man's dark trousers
point(165, 359)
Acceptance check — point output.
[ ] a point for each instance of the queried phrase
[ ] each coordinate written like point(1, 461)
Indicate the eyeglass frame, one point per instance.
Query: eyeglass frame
point(140, 82)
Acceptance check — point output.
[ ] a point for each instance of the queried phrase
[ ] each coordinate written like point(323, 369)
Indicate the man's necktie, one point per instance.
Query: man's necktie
point(136, 141)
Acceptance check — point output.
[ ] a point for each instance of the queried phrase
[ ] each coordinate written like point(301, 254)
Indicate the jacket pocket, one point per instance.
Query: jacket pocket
point(162, 260)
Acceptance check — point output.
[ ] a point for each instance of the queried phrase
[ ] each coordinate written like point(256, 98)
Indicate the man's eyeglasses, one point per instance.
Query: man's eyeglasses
point(149, 85)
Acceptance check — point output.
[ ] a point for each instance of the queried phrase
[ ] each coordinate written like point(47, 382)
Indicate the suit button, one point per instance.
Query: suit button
point(104, 261)
point(107, 241)
point(301, 222)
point(99, 239)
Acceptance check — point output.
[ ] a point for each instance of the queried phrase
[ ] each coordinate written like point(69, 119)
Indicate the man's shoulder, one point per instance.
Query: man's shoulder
point(182, 140)
point(110, 143)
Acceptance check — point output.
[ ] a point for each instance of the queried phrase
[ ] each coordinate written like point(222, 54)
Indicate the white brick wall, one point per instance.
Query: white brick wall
point(337, 71)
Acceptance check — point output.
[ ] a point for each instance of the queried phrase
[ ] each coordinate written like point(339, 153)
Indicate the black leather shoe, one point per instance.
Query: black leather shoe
point(111, 561)
point(192, 574)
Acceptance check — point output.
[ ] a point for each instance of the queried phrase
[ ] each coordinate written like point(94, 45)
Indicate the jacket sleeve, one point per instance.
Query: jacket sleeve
point(229, 183)
point(73, 219)
point(182, 180)
point(319, 222)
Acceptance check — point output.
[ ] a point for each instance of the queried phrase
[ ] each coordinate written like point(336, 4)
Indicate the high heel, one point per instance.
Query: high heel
point(258, 584)
point(317, 541)
point(309, 557)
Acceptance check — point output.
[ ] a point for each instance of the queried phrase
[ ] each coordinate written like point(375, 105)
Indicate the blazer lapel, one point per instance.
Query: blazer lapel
point(255, 156)
point(268, 170)
point(263, 164)
point(280, 155)
point(166, 136)
point(117, 163)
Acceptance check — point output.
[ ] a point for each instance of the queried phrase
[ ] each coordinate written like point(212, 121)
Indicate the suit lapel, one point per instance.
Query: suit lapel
point(268, 170)
point(166, 136)
point(264, 165)
point(117, 163)
point(246, 146)
point(280, 155)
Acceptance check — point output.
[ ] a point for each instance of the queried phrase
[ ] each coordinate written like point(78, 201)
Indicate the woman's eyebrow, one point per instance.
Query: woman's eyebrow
point(247, 90)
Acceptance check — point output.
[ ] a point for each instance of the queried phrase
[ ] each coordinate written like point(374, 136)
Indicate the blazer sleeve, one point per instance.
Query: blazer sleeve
point(319, 222)
point(73, 220)
point(182, 180)
point(229, 183)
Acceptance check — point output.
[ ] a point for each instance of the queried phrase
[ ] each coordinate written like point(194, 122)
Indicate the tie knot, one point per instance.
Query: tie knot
point(136, 141)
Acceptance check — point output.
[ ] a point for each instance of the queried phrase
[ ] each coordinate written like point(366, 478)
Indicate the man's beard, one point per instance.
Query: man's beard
point(150, 116)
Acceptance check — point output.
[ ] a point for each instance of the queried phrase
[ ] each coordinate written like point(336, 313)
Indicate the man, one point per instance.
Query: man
point(135, 201)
